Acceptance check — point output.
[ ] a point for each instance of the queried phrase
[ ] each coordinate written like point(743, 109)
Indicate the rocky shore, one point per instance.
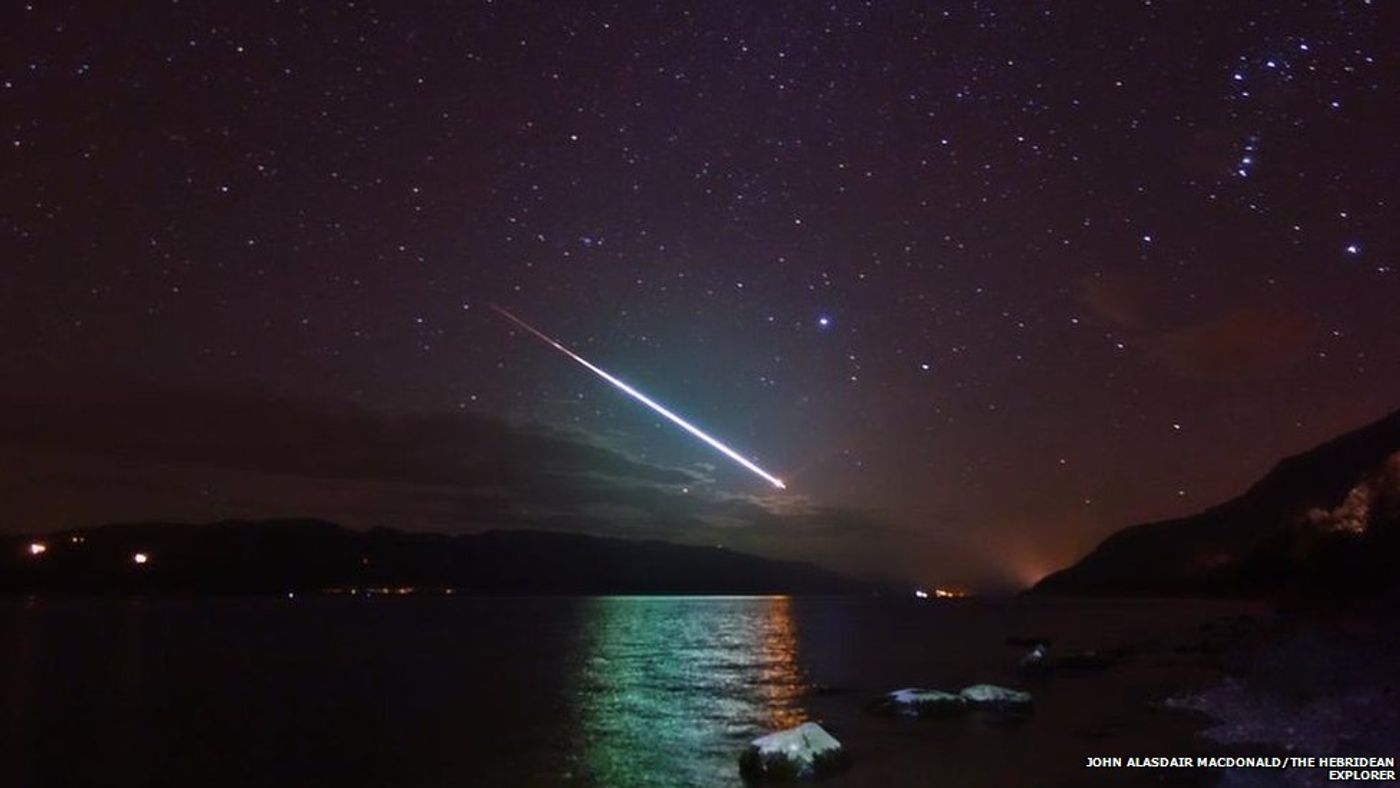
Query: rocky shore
point(1314, 685)
point(1264, 684)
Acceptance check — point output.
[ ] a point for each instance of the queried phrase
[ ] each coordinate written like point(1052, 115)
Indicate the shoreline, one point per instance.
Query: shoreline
point(1315, 684)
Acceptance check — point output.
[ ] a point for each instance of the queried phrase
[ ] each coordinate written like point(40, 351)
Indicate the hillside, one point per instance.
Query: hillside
point(1326, 520)
point(278, 556)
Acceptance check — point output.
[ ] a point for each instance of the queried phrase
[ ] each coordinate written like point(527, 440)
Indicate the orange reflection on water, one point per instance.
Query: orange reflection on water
point(783, 684)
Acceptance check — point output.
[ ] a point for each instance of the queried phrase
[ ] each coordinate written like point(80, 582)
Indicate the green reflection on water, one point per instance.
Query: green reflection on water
point(669, 689)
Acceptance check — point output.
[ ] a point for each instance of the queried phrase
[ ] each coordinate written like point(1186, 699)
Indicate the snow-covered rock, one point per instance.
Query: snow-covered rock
point(916, 702)
point(990, 696)
point(796, 753)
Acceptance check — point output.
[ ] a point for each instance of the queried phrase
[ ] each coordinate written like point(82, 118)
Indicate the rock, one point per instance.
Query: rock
point(990, 696)
point(1039, 662)
point(799, 753)
point(1035, 660)
point(827, 690)
point(1085, 661)
point(916, 702)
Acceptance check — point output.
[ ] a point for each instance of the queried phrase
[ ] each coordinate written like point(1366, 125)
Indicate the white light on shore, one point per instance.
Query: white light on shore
point(140, 558)
point(921, 594)
point(38, 548)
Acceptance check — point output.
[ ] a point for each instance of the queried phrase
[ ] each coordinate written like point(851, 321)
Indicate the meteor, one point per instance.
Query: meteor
point(644, 399)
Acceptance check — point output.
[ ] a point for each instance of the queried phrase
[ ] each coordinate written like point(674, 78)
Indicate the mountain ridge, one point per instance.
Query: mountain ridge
point(1274, 536)
point(308, 555)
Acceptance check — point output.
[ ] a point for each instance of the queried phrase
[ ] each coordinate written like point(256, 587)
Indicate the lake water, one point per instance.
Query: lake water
point(626, 691)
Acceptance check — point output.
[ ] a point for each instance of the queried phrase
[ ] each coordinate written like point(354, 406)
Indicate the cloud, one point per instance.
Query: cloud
point(1243, 343)
point(1246, 344)
point(1119, 300)
point(210, 454)
point(265, 434)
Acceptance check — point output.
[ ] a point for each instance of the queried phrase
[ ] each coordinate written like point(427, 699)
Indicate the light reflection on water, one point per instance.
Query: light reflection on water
point(438, 692)
point(676, 686)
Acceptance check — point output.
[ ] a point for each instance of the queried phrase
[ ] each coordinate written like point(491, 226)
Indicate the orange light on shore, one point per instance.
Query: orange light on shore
point(140, 558)
point(38, 548)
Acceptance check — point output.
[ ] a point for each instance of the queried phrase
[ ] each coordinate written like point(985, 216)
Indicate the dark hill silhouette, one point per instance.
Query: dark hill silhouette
point(1325, 520)
point(278, 556)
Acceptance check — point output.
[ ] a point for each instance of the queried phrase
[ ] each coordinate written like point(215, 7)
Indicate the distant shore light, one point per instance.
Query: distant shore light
point(38, 548)
point(140, 558)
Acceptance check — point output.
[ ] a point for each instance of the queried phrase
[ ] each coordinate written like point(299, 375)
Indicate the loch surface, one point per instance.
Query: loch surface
point(618, 691)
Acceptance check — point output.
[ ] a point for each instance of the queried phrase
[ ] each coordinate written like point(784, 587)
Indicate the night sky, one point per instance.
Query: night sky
point(982, 281)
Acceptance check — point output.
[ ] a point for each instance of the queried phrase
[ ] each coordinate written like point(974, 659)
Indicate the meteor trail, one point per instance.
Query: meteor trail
point(642, 398)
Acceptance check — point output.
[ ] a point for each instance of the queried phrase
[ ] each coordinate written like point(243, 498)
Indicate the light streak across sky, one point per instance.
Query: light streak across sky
point(645, 400)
